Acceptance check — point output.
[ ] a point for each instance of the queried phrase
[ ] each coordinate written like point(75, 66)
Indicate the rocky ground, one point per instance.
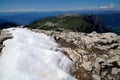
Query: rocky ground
point(95, 56)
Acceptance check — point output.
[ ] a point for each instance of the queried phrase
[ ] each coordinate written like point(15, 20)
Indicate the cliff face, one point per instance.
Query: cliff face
point(95, 56)
point(95, 23)
point(76, 23)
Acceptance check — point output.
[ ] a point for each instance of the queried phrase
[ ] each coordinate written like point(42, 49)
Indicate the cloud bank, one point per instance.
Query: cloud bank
point(105, 7)
point(111, 6)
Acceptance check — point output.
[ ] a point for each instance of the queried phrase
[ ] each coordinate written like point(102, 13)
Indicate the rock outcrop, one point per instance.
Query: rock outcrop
point(4, 35)
point(95, 56)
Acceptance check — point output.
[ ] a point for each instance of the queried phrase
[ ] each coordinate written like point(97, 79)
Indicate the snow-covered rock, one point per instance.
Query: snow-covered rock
point(33, 56)
point(4, 35)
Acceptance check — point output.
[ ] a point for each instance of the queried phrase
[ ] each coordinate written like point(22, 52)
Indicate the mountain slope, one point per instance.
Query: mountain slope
point(7, 24)
point(84, 23)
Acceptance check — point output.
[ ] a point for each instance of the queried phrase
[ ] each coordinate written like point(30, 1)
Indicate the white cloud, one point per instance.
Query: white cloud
point(39, 10)
point(20, 10)
point(105, 7)
point(110, 6)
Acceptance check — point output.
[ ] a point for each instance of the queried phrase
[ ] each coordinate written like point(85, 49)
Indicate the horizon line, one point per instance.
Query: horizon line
point(52, 10)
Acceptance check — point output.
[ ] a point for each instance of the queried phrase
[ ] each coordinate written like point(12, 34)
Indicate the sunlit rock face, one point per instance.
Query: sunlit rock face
point(28, 55)
point(95, 56)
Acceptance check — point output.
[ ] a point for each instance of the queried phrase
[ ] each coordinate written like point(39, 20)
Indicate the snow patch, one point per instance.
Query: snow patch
point(33, 56)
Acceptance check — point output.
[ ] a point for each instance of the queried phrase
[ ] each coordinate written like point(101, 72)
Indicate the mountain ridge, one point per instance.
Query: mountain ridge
point(7, 24)
point(79, 23)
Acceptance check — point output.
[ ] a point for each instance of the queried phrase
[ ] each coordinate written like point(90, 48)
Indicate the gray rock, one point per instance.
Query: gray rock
point(4, 35)
point(95, 56)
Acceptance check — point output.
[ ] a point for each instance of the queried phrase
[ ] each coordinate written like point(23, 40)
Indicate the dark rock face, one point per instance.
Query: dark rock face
point(95, 23)
point(7, 25)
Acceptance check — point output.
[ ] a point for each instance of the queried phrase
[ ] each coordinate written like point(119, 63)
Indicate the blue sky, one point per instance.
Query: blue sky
point(37, 5)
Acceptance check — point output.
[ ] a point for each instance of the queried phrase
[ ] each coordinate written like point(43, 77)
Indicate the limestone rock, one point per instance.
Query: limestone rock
point(95, 56)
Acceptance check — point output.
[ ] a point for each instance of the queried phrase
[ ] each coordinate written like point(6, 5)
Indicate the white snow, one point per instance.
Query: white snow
point(33, 56)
